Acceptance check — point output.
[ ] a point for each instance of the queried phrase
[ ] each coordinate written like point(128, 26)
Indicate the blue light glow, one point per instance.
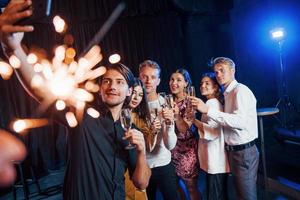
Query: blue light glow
point(278, 33)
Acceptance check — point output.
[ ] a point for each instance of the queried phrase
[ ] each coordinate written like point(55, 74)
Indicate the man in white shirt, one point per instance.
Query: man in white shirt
point(163, 173)
point(239, 121)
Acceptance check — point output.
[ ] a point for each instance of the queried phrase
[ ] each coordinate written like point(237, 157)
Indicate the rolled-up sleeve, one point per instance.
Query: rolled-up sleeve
point(170, 137)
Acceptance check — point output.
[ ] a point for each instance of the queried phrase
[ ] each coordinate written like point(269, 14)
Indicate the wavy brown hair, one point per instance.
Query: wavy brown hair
point(212, 77)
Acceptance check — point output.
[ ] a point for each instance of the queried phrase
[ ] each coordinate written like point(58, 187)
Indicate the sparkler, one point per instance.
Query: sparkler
point(5, 70)
point(70, 82)
point(115, 58)
point(21, 125)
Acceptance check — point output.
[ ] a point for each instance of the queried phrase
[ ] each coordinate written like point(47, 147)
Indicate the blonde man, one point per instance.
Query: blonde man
point(239, 121)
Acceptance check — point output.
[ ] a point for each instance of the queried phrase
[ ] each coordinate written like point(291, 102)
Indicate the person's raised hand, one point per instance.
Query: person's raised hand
point(198, 104)
point(15, 11)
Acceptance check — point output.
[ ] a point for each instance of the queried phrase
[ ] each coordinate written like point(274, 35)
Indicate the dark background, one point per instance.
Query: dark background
point(175, 33)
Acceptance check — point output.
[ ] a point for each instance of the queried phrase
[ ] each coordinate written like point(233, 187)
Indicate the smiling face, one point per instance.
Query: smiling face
point(137, 96)
point(208, 88)
point(114, 88)
point(177, 83)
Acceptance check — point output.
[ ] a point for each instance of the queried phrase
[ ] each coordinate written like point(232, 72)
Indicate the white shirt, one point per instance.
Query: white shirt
point(239, 118)
point(211, 148)
point(166, 139)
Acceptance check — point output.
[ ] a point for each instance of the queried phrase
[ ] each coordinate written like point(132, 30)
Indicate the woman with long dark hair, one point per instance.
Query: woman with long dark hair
point(141, 119)
point(184, 155)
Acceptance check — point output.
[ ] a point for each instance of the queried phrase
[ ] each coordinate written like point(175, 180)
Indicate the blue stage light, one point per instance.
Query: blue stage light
point(277, 33)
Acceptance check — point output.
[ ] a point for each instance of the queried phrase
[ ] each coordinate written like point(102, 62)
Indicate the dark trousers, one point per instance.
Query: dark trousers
point(243, 165)
point(216, 185)
point(164, 179)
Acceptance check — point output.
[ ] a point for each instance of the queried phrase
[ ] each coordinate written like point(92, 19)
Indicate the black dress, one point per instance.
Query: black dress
point(97, 160)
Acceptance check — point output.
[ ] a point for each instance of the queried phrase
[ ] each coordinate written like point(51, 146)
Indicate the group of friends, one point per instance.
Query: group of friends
point(170, 142)
point(179, 145)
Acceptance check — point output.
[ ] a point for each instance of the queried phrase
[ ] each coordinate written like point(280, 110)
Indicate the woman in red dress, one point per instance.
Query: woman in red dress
point(184, 155)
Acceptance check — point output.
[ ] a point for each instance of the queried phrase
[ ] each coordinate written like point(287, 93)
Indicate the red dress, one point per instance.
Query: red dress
point(185, 153)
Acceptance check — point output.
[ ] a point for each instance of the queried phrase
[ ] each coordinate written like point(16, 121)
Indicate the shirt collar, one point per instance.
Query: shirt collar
point(230, 87)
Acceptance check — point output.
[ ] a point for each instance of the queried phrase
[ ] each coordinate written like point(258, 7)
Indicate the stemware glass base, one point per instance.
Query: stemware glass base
point(130, 146)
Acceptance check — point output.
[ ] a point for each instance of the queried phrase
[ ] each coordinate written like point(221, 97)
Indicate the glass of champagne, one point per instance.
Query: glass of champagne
point(169, 100)
point(125, 119)
point(155, 115)
point(170, 103)
point(162, 103)
point(190, 91)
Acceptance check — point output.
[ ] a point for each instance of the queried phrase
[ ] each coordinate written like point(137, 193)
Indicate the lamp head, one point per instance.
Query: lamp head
point(278, 34)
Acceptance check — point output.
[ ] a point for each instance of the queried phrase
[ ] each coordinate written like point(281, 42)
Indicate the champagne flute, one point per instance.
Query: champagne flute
point(190, 110)
point(155, 115)
point(169, 100)
point(163, 95)
point(126, 122)
point(191, 91)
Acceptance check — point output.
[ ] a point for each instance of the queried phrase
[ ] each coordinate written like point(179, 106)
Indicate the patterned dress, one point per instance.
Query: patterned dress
point(185, 155)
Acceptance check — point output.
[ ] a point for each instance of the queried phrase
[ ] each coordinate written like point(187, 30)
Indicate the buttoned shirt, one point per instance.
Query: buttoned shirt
point(239, 118)
point(97, 159)
point(211, 149)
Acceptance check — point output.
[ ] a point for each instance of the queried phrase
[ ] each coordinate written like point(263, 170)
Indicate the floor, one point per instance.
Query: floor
point(282, 160)
point(51, 187)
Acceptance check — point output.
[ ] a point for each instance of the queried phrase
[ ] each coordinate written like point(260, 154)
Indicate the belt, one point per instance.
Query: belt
point(240, 146)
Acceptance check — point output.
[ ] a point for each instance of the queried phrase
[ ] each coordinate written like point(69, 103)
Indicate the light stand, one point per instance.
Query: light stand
point(284, 102)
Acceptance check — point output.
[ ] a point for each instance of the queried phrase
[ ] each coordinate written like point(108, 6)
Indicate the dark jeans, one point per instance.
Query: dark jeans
point(164, 179)
point(216, 185)
point(243, 166)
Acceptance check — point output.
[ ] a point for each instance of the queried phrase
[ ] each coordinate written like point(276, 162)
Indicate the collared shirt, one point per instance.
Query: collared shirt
point(97, 159)
point(166, 139)
point(239, 118)
point(211, 149)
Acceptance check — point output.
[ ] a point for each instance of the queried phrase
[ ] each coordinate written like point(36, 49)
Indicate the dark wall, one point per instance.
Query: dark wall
point(173, 33)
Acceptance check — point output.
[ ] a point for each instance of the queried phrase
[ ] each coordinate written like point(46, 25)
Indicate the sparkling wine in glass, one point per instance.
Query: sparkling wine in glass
point(169, 100)
point(191, 91)
point(155, 115)
point(162, 103)
point(125, 119)
point(190, 110)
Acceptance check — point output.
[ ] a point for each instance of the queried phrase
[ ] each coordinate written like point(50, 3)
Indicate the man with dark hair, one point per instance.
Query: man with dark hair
point(97, 158)
point(239, 121)
point(96, 149)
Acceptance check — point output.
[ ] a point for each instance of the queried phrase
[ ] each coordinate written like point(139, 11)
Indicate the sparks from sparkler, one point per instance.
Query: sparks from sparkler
point(71, 83)
point(21, 125)
point(5, 70)
point(114, 58)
